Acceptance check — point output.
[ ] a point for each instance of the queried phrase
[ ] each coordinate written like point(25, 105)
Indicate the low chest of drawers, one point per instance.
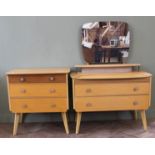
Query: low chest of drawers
point(111, 92)
point(37, 91)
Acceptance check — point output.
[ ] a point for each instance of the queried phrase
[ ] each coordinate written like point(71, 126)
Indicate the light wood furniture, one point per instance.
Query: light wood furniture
point(36, 91)
point(111, 92)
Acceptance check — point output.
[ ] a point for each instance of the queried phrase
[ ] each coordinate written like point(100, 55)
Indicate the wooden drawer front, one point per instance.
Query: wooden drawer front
point(49, 78)
point(100, 89)
point(109, 103)
point(38, 105)
point(38, 90)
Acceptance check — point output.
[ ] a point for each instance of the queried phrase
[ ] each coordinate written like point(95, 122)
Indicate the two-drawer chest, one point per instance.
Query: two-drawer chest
point(110, 91)
point(38, 91)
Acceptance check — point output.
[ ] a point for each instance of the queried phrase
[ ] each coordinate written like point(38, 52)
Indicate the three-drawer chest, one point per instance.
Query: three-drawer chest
point(111, 91)
point(38, 91)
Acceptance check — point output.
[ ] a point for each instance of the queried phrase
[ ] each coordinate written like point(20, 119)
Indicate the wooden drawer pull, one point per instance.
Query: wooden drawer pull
point(88, 90)
point(53, 105)
point(135, 89)
point(51, 78)
point(135, 103)
point(23, 91)
point(88, 105)
point(24, 106)
point(52, 91)
point(22, 79)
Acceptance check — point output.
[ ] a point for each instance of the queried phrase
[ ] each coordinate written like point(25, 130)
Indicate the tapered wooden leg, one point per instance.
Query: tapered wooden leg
point(144, 121)
point(16, 121)
point(75, 117)
point(78, 121)
point(21, 118)
point(65, 121)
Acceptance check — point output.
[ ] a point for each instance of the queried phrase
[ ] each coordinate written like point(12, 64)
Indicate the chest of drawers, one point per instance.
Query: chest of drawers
point(111, 92)
point(36, 91)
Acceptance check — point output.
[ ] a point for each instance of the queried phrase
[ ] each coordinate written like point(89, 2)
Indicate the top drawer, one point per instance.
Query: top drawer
point(45, 78)
point(101, 89)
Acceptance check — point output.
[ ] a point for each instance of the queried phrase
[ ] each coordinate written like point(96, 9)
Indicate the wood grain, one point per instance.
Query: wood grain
point(36, 105)
point(42, 78)
point(38, 90)
point(130, 75)
point(55, 70)
point(100, 89)
point(111, 103)
point(107, 65)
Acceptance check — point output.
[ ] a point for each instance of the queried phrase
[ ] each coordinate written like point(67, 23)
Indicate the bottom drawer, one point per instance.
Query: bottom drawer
point(38, 105)
point(111, 103)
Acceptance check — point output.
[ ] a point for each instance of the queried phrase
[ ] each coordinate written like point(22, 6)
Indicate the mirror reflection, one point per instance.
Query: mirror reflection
point(105, 42)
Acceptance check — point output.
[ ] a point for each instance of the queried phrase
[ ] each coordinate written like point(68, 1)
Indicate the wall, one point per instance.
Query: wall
point(55, 41)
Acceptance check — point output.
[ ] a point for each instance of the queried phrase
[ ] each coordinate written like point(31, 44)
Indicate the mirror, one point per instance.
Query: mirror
point(105, 42)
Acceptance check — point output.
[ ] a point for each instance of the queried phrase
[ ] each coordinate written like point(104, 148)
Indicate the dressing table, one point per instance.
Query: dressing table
point(111, 87)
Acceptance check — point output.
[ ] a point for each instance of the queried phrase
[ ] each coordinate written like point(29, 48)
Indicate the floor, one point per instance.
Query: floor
point(105, 129)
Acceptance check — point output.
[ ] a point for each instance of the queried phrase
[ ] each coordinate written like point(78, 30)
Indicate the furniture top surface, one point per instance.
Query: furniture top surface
point(119, 47)
point(55, 70)
point(129, 75)
point(107, 65)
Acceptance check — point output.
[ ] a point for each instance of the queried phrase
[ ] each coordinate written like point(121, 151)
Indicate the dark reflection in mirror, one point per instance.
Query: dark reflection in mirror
point(105, 42)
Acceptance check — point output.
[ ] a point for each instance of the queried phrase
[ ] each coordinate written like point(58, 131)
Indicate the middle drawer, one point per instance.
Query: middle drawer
point(38, 90)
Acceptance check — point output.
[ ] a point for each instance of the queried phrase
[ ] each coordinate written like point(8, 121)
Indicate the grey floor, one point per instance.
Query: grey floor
point(102, 129)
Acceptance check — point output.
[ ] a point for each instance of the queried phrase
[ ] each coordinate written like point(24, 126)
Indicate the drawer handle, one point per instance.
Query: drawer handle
point(24, 106)
point(22, 79)
point(135, 103)
point(23, 91)
point(88, 105)
point(135, 89)
point(52, 91)
point(53, 105)
point(88, 90)
point(51, 78)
